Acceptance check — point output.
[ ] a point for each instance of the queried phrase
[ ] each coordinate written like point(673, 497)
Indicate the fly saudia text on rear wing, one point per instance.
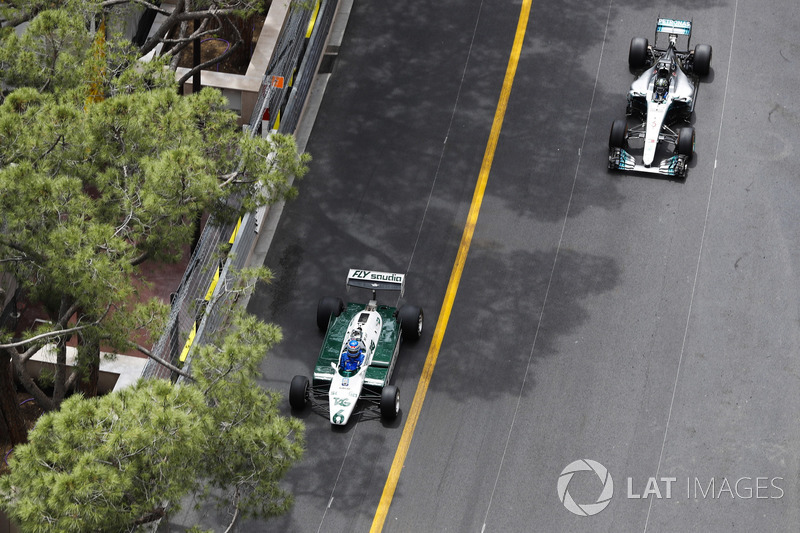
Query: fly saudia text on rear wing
point(376, 281)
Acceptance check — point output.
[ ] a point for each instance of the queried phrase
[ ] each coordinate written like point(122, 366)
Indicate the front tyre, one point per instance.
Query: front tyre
point(327, 307)
point(390, 402)
point(619, 131)
point(298, 393)
point(637, 54)
point(702, 60)
point(685, 144)
point(410, 318)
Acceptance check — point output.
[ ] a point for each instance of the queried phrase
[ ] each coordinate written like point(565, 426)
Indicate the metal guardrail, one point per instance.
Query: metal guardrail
point(308, 68)
point(197, 304)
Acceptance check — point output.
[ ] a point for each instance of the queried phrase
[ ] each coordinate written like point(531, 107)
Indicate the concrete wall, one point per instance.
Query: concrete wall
point(242, 90)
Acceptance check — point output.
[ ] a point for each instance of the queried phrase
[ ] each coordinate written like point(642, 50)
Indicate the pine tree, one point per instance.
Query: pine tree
point(113, 462)
point(90, 188)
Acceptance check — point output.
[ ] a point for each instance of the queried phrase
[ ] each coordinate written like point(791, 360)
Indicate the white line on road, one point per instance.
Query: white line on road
point(697, 266)
point(552, 271)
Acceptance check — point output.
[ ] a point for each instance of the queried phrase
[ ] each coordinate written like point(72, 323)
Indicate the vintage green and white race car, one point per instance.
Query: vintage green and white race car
point(359, 351)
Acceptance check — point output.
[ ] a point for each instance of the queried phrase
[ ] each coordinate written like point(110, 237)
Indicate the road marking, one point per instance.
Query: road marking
point(455, 276)
point(546, 298)
point(697, 264)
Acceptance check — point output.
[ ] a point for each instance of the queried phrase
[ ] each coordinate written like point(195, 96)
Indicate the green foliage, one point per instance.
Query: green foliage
point(130, 174)
point(100, 464)
point(279, 169)
point(104, 464)
point(255, 445)
point(104, 166)
point(58, 53)
point(85, 194)
point(48, 54)
point(88, 191)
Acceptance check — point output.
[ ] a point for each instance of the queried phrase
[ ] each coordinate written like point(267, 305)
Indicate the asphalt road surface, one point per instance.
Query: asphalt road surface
point(650, 326)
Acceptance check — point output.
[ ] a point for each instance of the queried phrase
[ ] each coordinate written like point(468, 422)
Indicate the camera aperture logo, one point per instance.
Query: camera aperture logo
point(590, 466)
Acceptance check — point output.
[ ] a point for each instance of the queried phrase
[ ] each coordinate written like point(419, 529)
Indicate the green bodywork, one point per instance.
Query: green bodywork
point(380, 370)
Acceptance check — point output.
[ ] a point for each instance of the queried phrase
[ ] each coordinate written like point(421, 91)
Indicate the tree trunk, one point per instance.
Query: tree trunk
point(44, 401)
point(60, 378)
point(196, 59)
point(9, 406)
point(88, 364)
point(155, 514)
point(89, 385)
point(61, 373)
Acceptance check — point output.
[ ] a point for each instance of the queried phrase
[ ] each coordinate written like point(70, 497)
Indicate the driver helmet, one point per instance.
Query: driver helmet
point(661, 86)
point(353, 349)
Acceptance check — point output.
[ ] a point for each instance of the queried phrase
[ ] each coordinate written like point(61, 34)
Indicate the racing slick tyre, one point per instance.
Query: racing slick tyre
point(410, 318)
point(298, 393)
point(619, 131)
point(325, 308)
point(701, 64)
point(637, 54)
point(685, 144)
point(390, 402)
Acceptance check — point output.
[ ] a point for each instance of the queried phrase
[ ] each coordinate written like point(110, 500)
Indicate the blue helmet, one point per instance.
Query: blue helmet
point(353, 348)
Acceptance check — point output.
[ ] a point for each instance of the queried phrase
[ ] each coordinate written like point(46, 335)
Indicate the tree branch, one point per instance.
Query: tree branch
point(164, 29)
point(27, 382)
point(218, 59)
point(140, 259)
point(152, 516)
point(47, 335)
point(56, 333)
point(163, 362)
point(154, 7)
point(235, 510)
point(59, 138)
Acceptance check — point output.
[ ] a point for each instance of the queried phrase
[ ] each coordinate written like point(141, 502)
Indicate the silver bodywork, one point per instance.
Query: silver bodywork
point(643, 96)
point(654, 118)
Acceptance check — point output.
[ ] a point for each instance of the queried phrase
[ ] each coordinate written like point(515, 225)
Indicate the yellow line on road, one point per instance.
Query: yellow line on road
point(455, 276)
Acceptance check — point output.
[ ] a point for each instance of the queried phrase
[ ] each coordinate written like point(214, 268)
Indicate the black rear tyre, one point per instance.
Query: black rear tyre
point(702, 60)
point(637, 55)
point(298, 393)
point(685, 144)
point(327, 307)
point(619, 131)
point(390, 402)
point(410, 318)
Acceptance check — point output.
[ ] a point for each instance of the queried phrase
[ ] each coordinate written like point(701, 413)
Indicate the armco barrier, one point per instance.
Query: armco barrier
point(284, 89)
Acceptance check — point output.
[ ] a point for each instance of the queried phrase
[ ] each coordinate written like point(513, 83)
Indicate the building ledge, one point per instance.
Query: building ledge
point(116, 371)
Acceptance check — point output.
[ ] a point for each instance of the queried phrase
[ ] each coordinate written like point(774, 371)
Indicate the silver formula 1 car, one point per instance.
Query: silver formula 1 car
point(657, 136)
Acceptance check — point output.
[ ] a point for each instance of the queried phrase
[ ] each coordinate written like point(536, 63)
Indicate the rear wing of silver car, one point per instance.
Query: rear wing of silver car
point(674, 28)
point(376, 281)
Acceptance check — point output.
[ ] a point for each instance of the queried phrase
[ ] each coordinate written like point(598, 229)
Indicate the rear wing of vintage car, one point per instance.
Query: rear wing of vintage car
point(376, 281)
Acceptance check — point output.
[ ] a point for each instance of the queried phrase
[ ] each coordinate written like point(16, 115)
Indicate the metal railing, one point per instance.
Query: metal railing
point(197, 305)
